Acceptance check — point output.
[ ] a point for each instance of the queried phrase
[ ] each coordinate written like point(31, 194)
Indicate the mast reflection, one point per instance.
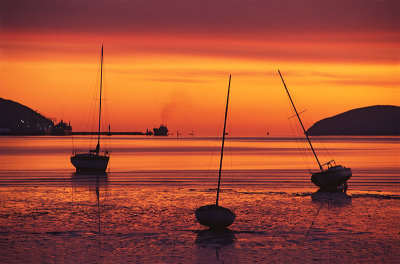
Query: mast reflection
point(222, 241)
point(93, 182)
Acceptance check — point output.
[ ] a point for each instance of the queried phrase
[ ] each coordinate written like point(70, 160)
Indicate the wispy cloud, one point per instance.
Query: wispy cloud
point(224, 16)
point(373, 48)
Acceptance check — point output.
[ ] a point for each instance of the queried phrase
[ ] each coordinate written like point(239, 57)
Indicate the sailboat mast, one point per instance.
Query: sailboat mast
point(101, 86)
point(223, 141)
point(301, 123)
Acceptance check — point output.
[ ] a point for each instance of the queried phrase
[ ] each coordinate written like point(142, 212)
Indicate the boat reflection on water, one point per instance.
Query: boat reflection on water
point(337, 199)
point(334, 202)
point(215, 237)
point(222, 241)
point(94, 181)
point(89, 179)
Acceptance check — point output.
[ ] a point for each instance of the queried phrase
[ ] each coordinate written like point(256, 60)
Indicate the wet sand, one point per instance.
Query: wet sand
point(143, 210)
point(94, 222)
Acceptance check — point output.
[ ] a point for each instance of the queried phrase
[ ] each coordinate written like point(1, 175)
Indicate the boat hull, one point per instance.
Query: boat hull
point(90, 162)
point(332, 179)
point(214, 216)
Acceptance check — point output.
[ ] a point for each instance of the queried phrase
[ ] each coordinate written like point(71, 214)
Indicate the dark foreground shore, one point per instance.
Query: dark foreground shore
point(92, 222)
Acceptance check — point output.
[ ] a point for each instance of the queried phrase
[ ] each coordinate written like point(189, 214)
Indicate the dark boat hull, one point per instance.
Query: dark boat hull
point(214, 216)
point(90, 162)
point(332, 179)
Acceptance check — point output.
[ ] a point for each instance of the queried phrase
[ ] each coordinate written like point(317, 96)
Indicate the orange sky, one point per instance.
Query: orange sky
point(174, 68)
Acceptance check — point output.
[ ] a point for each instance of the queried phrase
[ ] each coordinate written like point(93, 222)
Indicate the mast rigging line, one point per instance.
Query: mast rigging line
point(305, 133)
point(223, 141)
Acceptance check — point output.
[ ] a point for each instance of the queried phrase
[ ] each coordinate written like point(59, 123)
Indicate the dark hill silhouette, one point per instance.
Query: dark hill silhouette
point(372, 120)
point(16, 118)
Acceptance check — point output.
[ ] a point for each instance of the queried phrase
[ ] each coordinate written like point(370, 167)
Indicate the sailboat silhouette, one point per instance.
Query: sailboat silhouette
point(335, 177)
point(215, 216)
point(93, 160)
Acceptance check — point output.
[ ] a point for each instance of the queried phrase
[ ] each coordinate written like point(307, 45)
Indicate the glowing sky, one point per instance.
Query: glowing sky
point(169, 61)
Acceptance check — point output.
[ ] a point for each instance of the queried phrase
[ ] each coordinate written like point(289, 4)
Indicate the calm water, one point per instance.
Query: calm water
point(142, 210)
point(265, 163)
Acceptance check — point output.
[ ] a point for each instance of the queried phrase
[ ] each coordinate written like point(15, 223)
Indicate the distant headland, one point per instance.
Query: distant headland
point(18, 119)
point(377, 120)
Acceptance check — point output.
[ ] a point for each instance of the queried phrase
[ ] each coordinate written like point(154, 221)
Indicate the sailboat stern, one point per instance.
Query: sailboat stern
point(332, 178)
point(90, 162)
point(215, 216)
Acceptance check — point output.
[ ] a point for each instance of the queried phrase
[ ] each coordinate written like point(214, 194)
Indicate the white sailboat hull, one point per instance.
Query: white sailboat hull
point(332, 178)
point(90, 162)
point(215, 216)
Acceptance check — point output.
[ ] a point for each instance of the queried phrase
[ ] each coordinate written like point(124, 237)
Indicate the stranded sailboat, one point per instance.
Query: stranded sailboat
point(215, 216)
point(335, 176)
point(94, 160)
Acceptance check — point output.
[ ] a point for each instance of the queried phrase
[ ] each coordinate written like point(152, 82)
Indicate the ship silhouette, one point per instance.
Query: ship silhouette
point(162, 130)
